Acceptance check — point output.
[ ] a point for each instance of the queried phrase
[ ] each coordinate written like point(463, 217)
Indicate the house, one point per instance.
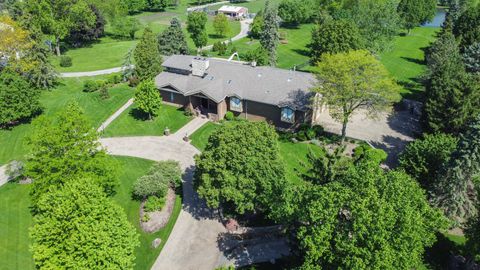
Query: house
point(234, 11)
point(214, 86)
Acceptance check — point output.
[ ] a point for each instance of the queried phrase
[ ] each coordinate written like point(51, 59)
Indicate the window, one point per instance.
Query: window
point(172, 98)
point(236, 104)
point(288, 115)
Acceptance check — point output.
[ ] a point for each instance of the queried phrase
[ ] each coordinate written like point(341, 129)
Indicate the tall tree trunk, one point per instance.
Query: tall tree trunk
point(57, 45)
point(344, 129)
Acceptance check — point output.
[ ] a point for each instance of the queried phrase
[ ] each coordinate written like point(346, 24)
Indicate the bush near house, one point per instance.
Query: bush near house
point(65, 61)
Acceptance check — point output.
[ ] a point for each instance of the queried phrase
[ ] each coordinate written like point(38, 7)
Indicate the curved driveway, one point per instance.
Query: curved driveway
point(193, 241)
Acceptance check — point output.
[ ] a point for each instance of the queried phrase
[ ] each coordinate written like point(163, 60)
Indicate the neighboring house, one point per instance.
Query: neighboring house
point(214, 86)
point(233, 11)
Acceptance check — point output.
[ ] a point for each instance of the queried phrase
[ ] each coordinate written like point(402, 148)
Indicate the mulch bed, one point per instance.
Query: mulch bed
point(158, 219)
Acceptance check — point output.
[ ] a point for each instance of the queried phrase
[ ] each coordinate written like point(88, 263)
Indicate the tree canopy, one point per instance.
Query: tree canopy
point(296, 12)
point(148, 61)
point(172, 40)
point(467, 26)
point(147, 98)
point(353, 81)
point(269, 37)
point(416, 12)
point(196, 26)
point(221, 25)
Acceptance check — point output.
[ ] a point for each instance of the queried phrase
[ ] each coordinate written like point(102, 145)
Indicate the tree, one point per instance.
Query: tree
point(196, 23)
point(125, 27)
point(84, 33)
point(60, 17)
point(240, 168)
point(147, 98)
point(14, 41)
point(157, 4)
point(334, 36)
point(134, 6)
point(472, 233)
point(423, 158)
point(452, 95)
point(467, 27)
point(354, 81)
point(148, 61)
point(416, 12)
point(65, 148)
point(220, 25)
point(455, 190)
point(471, 57)
point(259, 55)
point(269, 36)
point(366, 219)
point(78, 227)
point(18, 99)
point(160, 177)
point(295, 12)
point(257, 25)
point(172, 40)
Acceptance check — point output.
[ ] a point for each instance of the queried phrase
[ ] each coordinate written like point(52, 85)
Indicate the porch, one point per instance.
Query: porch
point(204, 106)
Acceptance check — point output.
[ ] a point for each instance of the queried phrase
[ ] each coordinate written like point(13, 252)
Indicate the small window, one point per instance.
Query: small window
point(236, 104)
point(172, 97)
point(288, 115)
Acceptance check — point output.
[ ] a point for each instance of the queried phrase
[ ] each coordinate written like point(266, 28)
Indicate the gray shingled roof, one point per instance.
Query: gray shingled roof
point(261, 84)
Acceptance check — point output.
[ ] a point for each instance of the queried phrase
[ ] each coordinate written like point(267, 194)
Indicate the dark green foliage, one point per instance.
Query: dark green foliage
point(240, 168)
point(455, 191)
point(416, 12)
point(160, 177)
point(154, 203)
point(147, 98)
point(365, 218)
point(259, 55)
point(125, 27)
point(196, 26)
point(219, 47)
point(327, 165)
point(220, 25)
point(257, 25)
point(471, 57)
point(452, 95)
point(423, 158)
point(467, 27)
point(295, 12)
point(229, 116)
point(104, 94)
point(157, 4)
point(134, 6)
point(66, 148)
point(334, 36)
point(114, 79)
point(148, 61)
point(85, 33)
point(172, 40)
point(307, 132)
point(65, 61)
point(18, 98)
point(93, 85)
point(78, 227)
point(472, 233)
point(42, 74)
point(269, 37)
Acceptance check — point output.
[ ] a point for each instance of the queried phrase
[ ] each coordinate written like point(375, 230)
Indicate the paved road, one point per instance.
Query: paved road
point(244, 28)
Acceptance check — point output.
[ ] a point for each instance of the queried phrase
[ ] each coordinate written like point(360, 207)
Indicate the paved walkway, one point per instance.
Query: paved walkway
point(244, 28)
point(3, 175)
point(91, 73)
point(115, 115)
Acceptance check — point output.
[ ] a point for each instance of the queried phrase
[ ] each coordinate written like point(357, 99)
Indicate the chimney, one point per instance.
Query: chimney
point(199, 66)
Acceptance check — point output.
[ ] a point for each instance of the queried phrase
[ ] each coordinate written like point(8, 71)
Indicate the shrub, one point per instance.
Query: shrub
point(150, 185)
point(146, 217)
point(65, 61)
point(90, 86)
point(170, 170)
point(301, 135)
point(154, 203)
point(133, 81)
point(360, 150)
point(319, 130)
point(104, 92)
point(115, 79)
point(310, 133)
point(229, 116)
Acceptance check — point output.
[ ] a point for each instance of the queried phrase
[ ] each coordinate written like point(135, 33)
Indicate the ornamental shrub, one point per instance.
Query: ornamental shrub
point(156, 182)
point(154, 203)
point(90, 86)
point(229, 116)
point(65, 61)
point(115, 79)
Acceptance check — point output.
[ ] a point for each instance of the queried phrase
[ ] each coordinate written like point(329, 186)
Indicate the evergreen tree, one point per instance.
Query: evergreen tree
point(455, 191)
point(452, 95)
point(471, 57)
point(196, 26)
point(472, 233)
point(269, 37)
point(148, 61)
point(416, 12)
point(467, 27)
point(78, 227)
point(147, 98)
point(42, 74)
point(128, 71)
point(172, 40)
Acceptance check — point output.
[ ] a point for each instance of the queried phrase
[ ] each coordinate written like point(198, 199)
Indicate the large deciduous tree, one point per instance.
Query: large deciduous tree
point(64, 148)
point(240, 168)
point(196, 26)
point(452, 95)
point(295, 12)
point(220, 25)
point(269, 37)
point(18, 98)
point(257, 25)
point(334, 36)
point(416, 12)
point(147, 98)
point(353, 81)
point(134, 6)
point(148, 61)
point(78, 227)
point(455, 190)
point(14, 39)
point(365, 219)
point(84, 33)
point(172, 40)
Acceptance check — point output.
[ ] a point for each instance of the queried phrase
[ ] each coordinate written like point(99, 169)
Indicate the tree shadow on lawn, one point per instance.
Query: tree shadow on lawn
point(438, 256)
point(414, 60)
point(415, 88)
point(137, 114)
point(304, 52)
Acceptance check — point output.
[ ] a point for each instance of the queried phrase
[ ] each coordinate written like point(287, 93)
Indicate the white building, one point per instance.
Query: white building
point(234, 11)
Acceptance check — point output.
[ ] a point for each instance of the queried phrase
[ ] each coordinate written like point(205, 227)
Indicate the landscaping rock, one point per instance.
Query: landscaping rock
point(156, 242)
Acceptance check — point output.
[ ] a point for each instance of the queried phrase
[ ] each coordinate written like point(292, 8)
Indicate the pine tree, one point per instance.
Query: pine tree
point(471, 56)
point(455, 191)
point(269, 37)
point(42, 74)
point(127, 67)
point(148, 61)
point(452, 95)
point(172, 40)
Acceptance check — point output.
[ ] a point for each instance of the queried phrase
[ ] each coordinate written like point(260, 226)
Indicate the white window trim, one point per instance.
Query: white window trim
point(286, 120)
point(234, 107)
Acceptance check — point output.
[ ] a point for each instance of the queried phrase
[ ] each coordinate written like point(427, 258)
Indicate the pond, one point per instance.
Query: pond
point(438, 19)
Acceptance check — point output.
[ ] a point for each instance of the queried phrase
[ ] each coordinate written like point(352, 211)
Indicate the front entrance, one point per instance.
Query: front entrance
point(203, 105)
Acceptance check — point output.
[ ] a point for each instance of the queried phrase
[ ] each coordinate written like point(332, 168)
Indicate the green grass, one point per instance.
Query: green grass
point(15, 219)
point(132, 123)
point(96, 109)
point(199, 138)
point(405, 60)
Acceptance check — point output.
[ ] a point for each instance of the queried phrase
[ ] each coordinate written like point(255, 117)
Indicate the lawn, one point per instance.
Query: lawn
point(133, 123)
point(96, 109)
point(199, 138)
point(15, 219)
point(405, 60)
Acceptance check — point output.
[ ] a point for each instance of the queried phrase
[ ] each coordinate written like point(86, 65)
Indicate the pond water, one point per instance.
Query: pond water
point(438, 19)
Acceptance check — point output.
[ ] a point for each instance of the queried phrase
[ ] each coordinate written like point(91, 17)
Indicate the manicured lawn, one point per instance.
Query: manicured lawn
point(133, 123)
point(97, 110)
point(405, 60)
point(199, 138)
point(15, 219)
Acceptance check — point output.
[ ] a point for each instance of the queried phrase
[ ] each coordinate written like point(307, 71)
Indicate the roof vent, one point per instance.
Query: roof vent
point(200, 66)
